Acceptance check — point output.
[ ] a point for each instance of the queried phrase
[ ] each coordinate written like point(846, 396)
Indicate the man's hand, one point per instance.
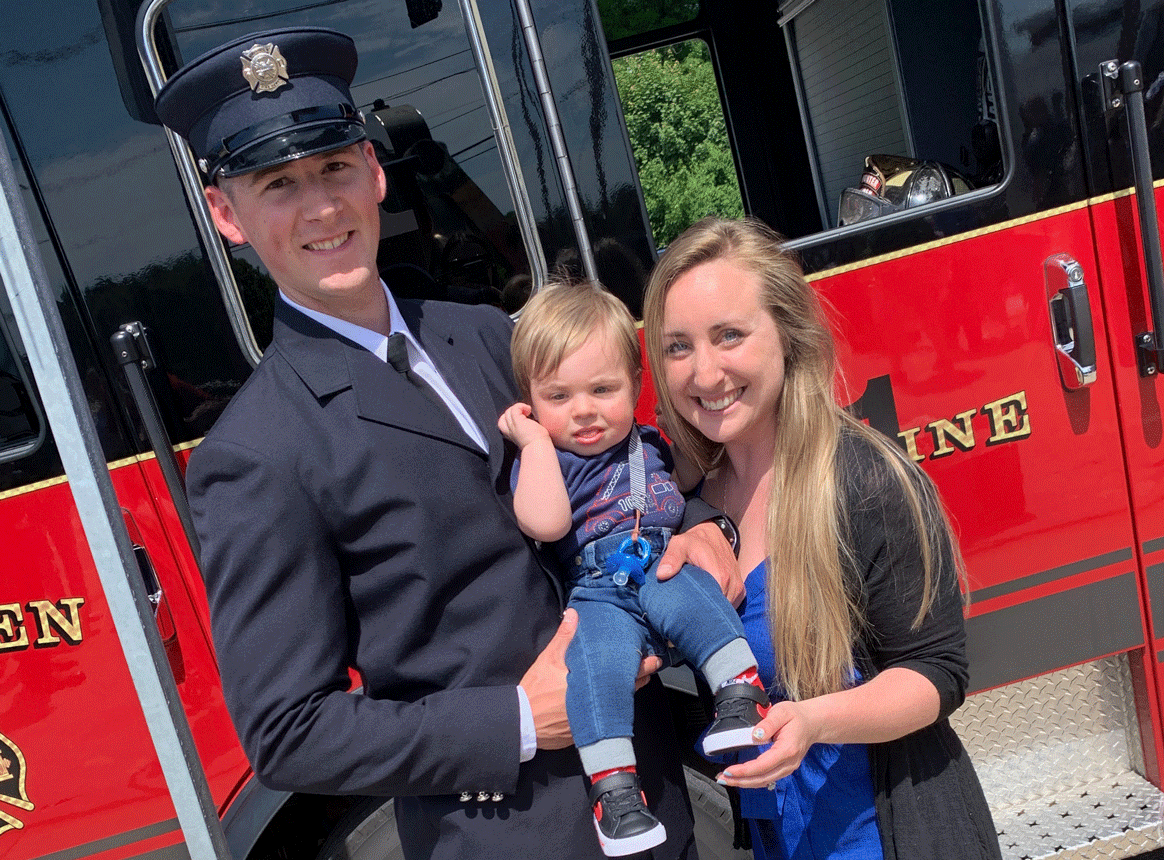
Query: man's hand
point(647, 668)
point(704, 546)
point(545, 687)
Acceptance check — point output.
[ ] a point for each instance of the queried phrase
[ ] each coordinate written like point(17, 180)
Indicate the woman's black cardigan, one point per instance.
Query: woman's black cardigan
point(928, 799)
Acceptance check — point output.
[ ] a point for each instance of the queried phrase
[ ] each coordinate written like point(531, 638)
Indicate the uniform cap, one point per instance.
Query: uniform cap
point(264, 99)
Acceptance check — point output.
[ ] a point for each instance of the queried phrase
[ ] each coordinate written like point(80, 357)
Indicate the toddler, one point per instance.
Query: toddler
point(598, 487)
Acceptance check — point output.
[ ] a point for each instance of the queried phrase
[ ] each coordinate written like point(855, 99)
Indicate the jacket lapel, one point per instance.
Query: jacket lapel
point(329, 363)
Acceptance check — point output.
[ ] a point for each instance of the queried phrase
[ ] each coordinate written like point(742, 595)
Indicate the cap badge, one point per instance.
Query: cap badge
point(264, 67)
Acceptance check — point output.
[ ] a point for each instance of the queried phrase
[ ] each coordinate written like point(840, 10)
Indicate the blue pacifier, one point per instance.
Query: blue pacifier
point(629, 561)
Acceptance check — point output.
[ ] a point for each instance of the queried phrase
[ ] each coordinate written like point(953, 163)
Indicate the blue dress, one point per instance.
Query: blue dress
point(824, 809)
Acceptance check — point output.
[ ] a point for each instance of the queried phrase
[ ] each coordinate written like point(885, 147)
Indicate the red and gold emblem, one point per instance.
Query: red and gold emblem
point(12, 784)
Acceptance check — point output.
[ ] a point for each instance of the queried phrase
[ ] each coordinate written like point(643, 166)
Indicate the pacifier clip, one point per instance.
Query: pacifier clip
point(634, 553)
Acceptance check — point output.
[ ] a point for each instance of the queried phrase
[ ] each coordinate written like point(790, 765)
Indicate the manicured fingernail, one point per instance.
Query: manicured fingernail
point(758, 733)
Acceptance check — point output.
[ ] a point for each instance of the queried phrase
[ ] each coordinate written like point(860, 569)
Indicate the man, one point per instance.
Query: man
point(351, 518)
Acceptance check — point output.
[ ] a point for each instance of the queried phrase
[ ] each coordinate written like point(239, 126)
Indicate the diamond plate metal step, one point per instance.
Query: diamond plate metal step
point(1059, 759)
point(1115, 817)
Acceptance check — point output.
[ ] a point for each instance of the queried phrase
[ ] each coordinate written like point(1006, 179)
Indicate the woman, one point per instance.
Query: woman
point(852, 578)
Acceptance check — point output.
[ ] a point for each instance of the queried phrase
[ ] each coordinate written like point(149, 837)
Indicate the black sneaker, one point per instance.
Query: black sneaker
point(738, 709)
point(621, 818)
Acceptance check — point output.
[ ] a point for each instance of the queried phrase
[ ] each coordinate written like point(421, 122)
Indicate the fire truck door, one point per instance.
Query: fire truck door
point(961, 330)
point(71, 728)
point(1124, 32)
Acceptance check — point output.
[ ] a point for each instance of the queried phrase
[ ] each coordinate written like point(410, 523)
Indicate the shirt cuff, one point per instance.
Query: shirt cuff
point(529, 733)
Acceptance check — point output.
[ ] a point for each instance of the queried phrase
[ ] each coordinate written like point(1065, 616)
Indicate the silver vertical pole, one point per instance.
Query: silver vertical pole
point(506, 149)
point(188, 172)
point(533, 45)
point(67, 410)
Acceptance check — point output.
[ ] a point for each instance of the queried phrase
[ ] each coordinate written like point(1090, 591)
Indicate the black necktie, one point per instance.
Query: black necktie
point(398, 358)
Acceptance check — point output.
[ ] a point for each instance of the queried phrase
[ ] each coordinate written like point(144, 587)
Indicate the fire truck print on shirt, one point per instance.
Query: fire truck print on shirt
point(599, 488)
point(12, 784)
point(613, 505)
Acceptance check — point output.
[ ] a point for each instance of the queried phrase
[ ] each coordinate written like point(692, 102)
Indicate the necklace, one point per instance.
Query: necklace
point(738, 498)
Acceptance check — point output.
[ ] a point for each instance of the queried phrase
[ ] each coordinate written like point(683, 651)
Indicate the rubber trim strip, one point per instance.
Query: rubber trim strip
point(1051, 574)
point(117, 840)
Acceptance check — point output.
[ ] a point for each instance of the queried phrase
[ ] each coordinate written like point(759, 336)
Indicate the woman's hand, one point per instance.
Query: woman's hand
point(790, 729)
point(895, 703)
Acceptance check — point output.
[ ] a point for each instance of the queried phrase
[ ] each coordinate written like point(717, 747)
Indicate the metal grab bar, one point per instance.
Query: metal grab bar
point(533, 46)
point(147, 18)
point(505, 146)
point(506, 149)
point(135, 357)
point(1124, 87)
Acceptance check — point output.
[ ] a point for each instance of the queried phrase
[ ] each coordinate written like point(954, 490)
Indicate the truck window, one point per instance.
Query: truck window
point(893, 99)
point(448, 228)
point(21, 423)
point(876, 79)
point(678, 136)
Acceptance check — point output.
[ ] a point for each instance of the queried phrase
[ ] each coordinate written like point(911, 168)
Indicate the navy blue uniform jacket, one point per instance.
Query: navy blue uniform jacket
point(346, 520)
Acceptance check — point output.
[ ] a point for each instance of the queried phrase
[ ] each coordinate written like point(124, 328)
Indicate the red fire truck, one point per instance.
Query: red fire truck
point(970, 183)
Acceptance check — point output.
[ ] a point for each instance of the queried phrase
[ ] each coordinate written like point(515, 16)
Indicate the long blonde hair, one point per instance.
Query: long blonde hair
point(815, 619)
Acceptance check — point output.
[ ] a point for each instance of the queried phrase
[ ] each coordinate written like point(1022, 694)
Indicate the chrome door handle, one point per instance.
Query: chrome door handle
point(1071, 327)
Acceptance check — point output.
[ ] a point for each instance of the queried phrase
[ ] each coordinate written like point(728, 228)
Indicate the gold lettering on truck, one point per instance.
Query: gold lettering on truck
point(62, 617)
point(909, 437)
point(53, 622)
point(959, 431)
point(1006, 418)
point(12, 632)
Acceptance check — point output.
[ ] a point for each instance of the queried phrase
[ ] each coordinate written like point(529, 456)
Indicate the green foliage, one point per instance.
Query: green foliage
point(679, 138)
point(622, 18)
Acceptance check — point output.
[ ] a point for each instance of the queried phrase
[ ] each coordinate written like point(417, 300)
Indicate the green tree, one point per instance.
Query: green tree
point(677, 132)
point(622, 18)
